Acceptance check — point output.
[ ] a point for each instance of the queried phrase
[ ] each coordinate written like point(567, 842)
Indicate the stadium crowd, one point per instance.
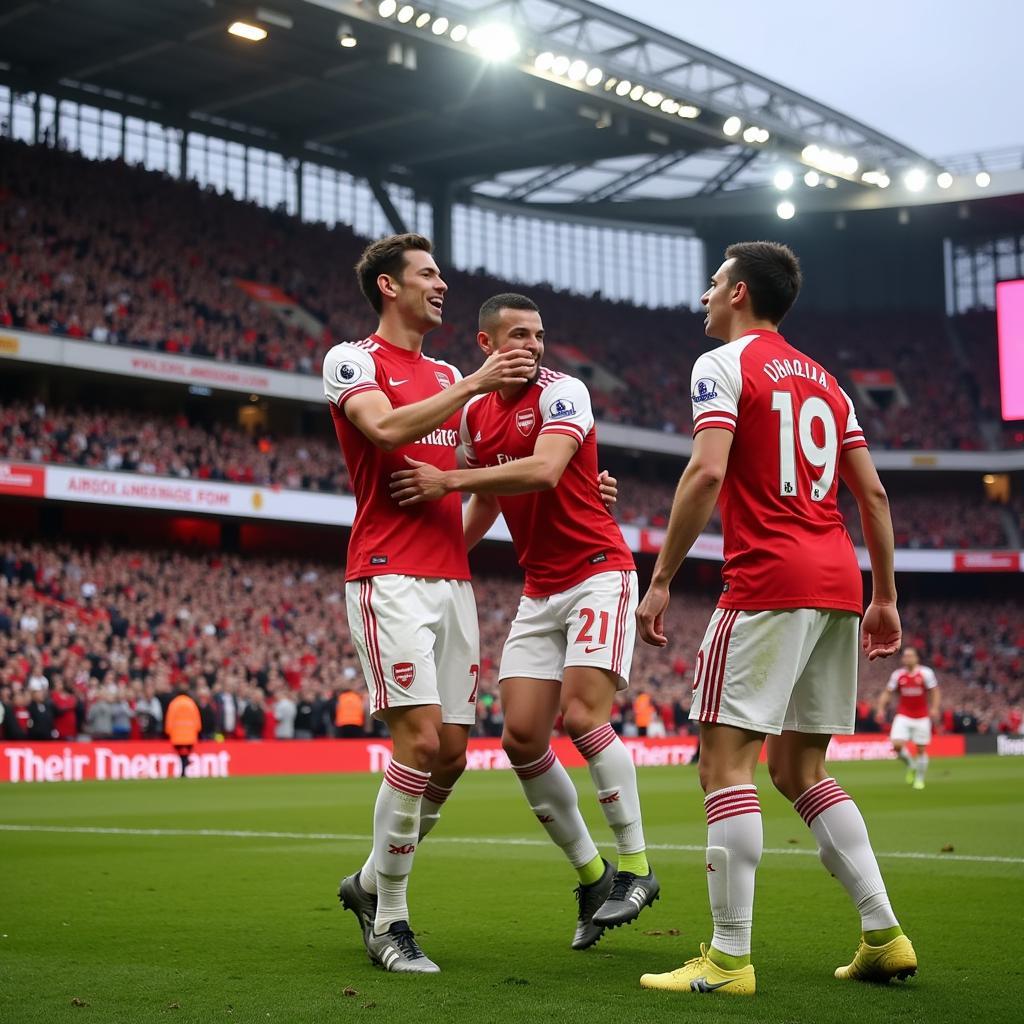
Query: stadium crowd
point(94, 641)
point(165, 445)
point(114, 254)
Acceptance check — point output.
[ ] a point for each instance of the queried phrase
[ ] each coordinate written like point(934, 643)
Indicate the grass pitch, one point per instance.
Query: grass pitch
point(214, 900)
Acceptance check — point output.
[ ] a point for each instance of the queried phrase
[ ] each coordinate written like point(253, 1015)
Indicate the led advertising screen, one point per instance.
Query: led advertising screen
point(1010, 317)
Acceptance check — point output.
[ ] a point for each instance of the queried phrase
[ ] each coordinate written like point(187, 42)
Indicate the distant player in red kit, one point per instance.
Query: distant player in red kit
point(411, 609)
point(918, 707)
point(531, 453)
point(773, 433)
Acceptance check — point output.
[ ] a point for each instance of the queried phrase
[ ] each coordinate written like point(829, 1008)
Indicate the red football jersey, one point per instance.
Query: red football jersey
point(418, 540)
point(913, 689)
point(786, 545)
point(561, 536)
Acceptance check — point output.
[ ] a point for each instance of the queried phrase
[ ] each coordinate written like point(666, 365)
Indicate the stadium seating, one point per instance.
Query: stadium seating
point(120, 624)
point(164, 445)
point(141, 260)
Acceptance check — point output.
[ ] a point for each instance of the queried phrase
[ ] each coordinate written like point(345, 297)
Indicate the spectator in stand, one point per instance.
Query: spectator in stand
point(99, 720)
point(149, 713)
point(254, 715)
point(350, 714)
point(284, 716)
point(65, 708)
point(41, 716)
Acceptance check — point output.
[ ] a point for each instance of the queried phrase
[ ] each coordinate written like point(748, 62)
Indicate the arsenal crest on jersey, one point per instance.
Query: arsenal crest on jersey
point(403, 672)
point(442, 379)
point(526, 420)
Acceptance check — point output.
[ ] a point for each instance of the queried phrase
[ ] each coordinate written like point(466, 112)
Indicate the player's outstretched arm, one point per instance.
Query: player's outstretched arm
point(881, 634)
point(480, 513)
point(390, 428)
point(691, 509)
point(537, 472)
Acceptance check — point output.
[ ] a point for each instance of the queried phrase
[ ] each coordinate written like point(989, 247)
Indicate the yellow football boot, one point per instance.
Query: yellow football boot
point(896, 959)
point(703, 975)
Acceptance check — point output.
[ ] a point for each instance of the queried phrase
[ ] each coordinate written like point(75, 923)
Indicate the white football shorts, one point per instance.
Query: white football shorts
point(591, 624)
point(791, 669)
point(418, 643)
point(917, 730)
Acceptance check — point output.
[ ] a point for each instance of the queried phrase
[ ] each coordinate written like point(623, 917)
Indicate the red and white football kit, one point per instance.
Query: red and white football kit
point(580, 591)
point(913, 719)
point(780, 651)
point(410, 604)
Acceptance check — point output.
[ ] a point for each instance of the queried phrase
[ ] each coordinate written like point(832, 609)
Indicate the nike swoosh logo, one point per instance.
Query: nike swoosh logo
point(703, 985)
point(590, 650)
point(395, 383)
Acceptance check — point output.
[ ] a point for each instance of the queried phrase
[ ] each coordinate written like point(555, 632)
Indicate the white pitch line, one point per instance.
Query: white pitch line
point(345, 837)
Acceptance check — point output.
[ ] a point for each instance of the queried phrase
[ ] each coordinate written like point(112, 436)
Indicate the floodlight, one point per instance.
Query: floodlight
point(637, 92)
point(458, 33)
point(751, 134)
point(652, 97)
point(783, 179)
point(689, 110)
point(245, 30)
point(944, 180)
point(578, 70)
point(496, 42)
point(786, 210)
point(560, 65)
point(812, 179)
point(346, 37)
point(915, 179)
point(440, 26)
point(405, 14)
point(594, 76)
point(669, 106)
point(423, 19)
point(732, 126)
point(387, 8)
point(983, 179)
point(544, 61)
point(623, 87)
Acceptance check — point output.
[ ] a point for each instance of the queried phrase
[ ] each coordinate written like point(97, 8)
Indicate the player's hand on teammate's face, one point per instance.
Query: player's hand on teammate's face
point(650, 616)
point(423, 482)
point(504, 369)
point(881, 634)
point(609, 488)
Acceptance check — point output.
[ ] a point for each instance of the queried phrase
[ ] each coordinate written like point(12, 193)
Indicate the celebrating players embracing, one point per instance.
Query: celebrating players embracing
point(532, 455)
point(773, 433)
point(410, 604)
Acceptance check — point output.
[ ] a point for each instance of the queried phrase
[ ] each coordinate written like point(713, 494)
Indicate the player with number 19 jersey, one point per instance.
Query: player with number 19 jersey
point(786, 544)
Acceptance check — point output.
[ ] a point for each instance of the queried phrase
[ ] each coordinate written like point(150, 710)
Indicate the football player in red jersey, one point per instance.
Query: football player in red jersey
point(410, 604)
point(919, 705)
point(773, 434)
point(531, 453)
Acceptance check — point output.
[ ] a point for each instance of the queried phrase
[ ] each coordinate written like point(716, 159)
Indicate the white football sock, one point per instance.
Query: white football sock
point(614, 775)
point(904, 755)
point(552, 798)
point(921, 767)
point(430, 813)
point(845, 850)
point(735, 842)
point(396, 824)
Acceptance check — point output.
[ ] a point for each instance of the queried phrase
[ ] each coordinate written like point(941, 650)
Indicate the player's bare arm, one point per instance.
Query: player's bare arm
point(389, 428)
point(692, 506)
point(882, 704)
point(540, 471)
point(935, 700)
point(881, 634)
point(478, 517)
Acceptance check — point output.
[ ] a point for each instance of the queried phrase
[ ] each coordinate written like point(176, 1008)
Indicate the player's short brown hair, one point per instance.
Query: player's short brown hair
point(386, 256)
point(771, 272)
point(492, 307)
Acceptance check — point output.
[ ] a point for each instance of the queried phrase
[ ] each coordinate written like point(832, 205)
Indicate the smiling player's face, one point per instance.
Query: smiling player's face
point(420, 290)
point(519, 328)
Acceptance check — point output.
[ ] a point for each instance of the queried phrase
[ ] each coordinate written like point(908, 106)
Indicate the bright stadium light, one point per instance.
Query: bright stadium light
point(732, 126)
point(544, 61)
point(637, 92)
point(652, 97)
point(346, 37)
point(915, 179)
point(560, 65)
point(387, 8)
point(610, 83)
point(423, 19)
point(623, 87)
point(751, 134)
point(594, 76)
point(812, 179)
point(786, 210)
point(669, 106)
point(983, 179)
point(245, 30)
point(495, 42)
point(405, 14)
point(578, 70)
point(458, 33)
point(944, 180)
point(783, 179)
point(689, 110)
point(440, 26)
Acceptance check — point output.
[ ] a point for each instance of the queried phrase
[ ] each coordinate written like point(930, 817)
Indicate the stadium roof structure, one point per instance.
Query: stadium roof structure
point(545, 106)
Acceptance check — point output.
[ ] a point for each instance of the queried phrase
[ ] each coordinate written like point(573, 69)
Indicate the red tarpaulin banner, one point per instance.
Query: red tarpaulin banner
point(76, 762)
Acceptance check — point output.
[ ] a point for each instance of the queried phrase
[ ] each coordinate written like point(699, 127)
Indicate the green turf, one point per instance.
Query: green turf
point(216, 928)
